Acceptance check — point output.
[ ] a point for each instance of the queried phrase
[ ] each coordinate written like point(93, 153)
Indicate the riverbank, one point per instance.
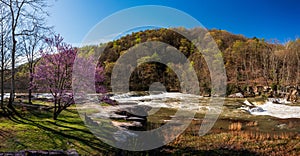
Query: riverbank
point(232, 134)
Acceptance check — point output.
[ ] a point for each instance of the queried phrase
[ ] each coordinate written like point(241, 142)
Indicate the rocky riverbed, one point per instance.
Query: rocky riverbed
point(140, 111)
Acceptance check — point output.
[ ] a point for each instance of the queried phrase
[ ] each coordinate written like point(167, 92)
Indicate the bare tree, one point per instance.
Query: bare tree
point(4, 40)
point(32, 45)
point(24, 15)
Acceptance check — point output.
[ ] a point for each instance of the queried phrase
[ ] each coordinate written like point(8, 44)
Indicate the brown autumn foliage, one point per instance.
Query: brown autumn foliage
point(236, 126)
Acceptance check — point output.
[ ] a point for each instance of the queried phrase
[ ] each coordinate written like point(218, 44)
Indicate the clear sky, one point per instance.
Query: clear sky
point(269, 19)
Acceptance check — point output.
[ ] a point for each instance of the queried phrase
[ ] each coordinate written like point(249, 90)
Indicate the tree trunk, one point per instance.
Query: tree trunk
point(2, 71)
point(30, 83)
point(12, 88)
point(2, 86)
point(55, 115)
point(58, 111)
point(55, 108)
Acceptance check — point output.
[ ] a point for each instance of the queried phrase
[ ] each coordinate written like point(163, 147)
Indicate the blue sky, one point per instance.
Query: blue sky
point(268, 19)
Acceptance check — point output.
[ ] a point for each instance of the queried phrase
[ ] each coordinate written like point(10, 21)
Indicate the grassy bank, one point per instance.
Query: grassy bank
point(246, 135)
point(37, 131)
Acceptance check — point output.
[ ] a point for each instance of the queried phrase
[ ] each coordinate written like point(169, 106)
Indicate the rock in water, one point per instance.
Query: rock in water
point(256, 109)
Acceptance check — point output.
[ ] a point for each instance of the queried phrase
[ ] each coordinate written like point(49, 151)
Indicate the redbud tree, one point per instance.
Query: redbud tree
point(54, 73)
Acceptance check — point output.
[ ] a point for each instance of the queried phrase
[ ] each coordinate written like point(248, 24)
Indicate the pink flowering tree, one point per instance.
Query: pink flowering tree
point(54, 73)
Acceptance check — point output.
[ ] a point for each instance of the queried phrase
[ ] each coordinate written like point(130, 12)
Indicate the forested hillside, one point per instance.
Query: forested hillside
point(249, 62)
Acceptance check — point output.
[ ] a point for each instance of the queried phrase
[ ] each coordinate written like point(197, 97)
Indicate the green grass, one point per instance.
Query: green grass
point(38, 131)
point(37, 102)
point(103, 104)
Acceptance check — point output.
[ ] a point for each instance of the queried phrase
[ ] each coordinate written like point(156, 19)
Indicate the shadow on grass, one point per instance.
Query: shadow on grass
point(68, 127)
point(69, 133)
point(70, 122)
point(39, 114)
